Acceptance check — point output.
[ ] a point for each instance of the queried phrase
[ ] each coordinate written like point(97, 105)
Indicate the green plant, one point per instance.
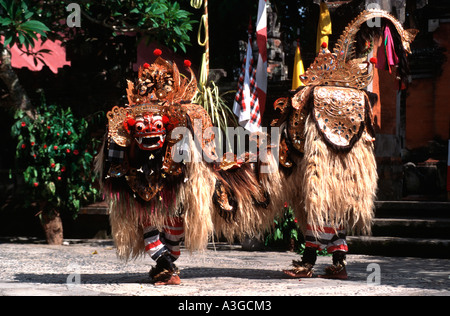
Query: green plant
point(286, 232)
point(55, 153)
point(163, 20)
point(17, 26)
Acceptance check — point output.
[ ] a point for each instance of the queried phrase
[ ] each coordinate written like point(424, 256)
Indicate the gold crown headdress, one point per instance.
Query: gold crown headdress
point(159, 102)
point(160, 89)
point(342, 68)
point(161, 83)
point(335, 81)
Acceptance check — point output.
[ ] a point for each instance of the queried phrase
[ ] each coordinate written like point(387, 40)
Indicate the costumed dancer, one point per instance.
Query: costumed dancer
point(152, 189)
point(163, 181)
point(326, 148)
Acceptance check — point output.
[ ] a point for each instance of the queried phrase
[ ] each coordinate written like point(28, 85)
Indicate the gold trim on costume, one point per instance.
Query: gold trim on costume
point(339, 113)
point(341, 68)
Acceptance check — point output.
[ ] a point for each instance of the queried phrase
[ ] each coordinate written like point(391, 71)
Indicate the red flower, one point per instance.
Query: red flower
point(69, 132)
point(52, 165)
point(23, 124)
point(59, 178)
point(187, 63)
point(68, 150)
point(285, 204)
point(36, 184)
point(32, 143)
point(45, 146)
point(373, 60)
point(55, 147)
point(57, 134)
point(295, 220)
point(63, 168)
point(157, 52)
point(76, 152)
point(48, 127)
point(146, 66)
point(24, 146)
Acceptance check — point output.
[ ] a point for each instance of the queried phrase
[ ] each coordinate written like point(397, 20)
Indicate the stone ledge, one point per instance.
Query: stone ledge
point(399, 246)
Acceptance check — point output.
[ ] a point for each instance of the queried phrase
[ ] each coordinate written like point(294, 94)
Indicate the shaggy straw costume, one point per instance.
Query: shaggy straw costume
point(164, 182)
point(326, 148)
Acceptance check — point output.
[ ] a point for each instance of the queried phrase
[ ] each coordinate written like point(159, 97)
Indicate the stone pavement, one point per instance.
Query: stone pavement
point(91, 268)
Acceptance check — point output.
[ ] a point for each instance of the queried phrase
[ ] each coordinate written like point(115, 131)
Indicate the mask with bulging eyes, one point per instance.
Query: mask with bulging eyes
point(148, 130)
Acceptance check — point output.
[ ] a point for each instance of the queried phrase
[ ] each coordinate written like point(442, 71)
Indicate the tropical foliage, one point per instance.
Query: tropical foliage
point(55, 154)
point(18, 24)
point(286, 232)
point(164, 20)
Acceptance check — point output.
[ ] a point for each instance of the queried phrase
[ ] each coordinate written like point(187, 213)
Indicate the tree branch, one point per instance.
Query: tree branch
point(18, 96)
point(116, 28)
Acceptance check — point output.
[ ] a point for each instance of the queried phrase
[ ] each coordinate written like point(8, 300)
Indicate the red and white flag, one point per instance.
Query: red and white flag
point(246, 105)
point(261, 40)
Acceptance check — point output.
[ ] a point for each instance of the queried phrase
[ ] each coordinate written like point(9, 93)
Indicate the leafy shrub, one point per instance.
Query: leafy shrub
point(55, 153)
point(286, 233)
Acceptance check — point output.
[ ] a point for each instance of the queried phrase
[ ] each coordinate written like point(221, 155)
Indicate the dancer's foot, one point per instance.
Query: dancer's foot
point(166, 277)
point(337, 272)
point(300, 270)
point(165, 272)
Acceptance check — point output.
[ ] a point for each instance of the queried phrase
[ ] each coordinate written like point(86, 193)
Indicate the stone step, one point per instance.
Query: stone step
point(399, 247)
point(412, 227)
point(99, 208)
point(412, 209)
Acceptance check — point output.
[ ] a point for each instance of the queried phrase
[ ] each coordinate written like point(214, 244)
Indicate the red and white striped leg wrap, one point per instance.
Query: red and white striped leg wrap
point(326, 238)
point(169, 239)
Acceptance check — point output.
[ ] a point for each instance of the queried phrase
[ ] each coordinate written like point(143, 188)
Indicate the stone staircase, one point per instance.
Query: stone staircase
point(407, 228)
